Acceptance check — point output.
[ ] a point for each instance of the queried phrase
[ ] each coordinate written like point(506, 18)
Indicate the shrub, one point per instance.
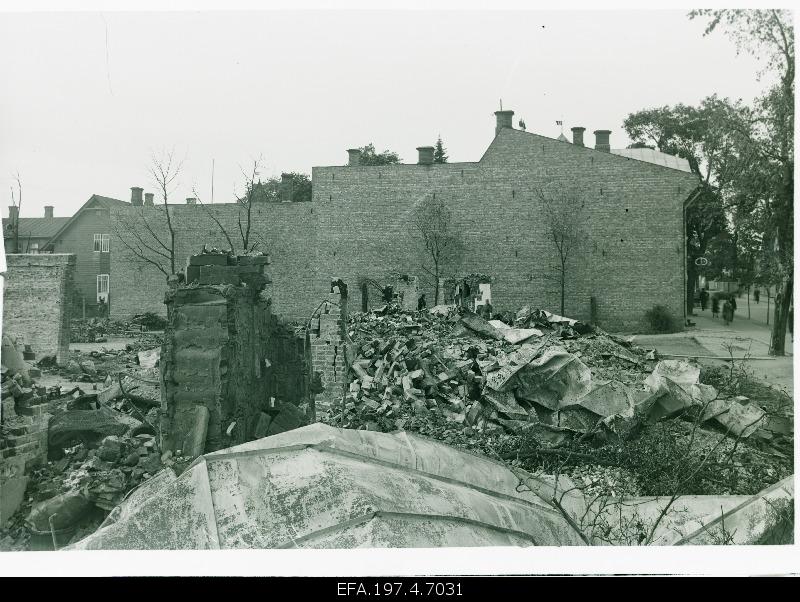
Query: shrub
point(660, 319)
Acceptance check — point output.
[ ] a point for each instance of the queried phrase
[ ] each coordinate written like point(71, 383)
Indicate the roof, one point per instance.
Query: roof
point(37, 227)
point(96, 199)
point(107, 202)
point(653, 156)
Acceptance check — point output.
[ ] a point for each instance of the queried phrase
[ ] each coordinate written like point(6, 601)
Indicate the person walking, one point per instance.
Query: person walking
point(714, 306)
point(421, 303)
point(756, 295)
point(727, 312)
point(703, 299)
point(733, 302)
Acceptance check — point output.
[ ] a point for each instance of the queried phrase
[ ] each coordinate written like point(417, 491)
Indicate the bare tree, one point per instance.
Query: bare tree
point(16, 201)
point(562, 212)
point(434, 221)
point(244, 217)
point(149, 234)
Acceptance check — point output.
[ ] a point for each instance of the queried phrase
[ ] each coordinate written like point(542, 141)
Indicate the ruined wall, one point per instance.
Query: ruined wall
point(213, 356)
point(286, 231)
point(35, 302)
point(631, 258)
point(328, 338)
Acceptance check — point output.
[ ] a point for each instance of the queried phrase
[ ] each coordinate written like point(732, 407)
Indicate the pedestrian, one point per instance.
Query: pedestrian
point(421, 303)
point(703, 299)
point(756, 295)
point(714, 306)
point(733, 302)
point(727, 312)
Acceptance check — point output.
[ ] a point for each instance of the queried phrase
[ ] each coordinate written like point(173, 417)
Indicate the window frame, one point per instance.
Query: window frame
point(103, 278)
point(105, 243)
point(98, 243)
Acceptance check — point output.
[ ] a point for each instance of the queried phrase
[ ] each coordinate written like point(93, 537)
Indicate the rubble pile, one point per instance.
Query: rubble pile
point(530, 381)
point(98, 330)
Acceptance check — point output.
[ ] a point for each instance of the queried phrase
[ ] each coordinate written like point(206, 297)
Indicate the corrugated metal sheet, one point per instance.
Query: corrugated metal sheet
point(653, 156)
point(322, 487)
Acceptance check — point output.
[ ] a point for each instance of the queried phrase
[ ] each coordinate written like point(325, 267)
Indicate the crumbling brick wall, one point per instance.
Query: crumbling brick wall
point(36, 302)
point(23, 447)
point(218, 358)
point(328, 336)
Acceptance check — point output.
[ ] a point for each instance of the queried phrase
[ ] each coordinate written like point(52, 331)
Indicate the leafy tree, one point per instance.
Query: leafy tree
point(439, 152)
point(269, 191)
point(716, 139)
point(370, 157)
point(769, 35)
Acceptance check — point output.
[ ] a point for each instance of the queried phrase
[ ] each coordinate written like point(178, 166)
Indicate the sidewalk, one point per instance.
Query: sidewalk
point(742, 338)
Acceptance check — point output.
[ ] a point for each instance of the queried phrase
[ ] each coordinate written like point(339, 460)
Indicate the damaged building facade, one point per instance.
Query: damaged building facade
point(359, 227)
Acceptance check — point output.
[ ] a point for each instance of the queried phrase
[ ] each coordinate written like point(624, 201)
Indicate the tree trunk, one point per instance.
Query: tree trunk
point(783, 300)
point(563, 279)
point(436, 283)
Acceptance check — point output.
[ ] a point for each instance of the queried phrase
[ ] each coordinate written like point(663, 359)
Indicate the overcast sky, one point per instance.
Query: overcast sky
point(88, 97)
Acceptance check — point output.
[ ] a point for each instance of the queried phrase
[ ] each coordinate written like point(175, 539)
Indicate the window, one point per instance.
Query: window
point(102, 243)
point(102, 283)
point(34, 248)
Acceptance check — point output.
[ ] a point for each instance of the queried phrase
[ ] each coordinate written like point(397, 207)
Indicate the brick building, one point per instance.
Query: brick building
point(359, 225)
point(87, 235)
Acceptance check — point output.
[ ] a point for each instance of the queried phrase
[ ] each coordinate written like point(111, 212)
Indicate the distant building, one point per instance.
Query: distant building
point(87, 234)
point(34, 232)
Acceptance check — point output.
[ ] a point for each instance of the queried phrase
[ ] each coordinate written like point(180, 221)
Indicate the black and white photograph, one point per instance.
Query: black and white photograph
point(475, 282)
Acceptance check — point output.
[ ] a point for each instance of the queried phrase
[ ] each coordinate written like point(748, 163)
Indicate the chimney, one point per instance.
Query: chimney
point(425, 155)
point(354, 156)
point(286, 188)
point(505, 119)
point(48, 212)
point(601, 140)
point(13, 212)
point(191, 200)
point(577, 135)
point(136, 196)
point(148, 199)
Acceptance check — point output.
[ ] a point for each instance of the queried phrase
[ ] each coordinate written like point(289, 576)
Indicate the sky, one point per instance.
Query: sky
point(89, 97)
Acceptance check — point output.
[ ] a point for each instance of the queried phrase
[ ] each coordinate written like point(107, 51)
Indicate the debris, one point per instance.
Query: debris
point(89, 426)
point(149, 358)
point(58, 513)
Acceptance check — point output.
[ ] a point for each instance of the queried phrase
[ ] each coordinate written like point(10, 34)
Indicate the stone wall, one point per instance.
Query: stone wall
point(36, 302)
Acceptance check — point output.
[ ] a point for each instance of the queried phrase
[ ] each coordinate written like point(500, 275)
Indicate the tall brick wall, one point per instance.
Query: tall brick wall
point(286, 231)
point(631, 258)
point(360, 225)
point(35, 302)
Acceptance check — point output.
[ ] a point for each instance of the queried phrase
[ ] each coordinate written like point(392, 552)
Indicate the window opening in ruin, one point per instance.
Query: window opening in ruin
point(102, 288)
point(97, 242)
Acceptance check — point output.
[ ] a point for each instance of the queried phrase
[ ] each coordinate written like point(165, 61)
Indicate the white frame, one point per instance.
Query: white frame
point(105, 243)
point(98, 243)
point(103, 278)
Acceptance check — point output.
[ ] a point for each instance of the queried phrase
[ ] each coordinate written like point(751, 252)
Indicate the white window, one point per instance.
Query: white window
point(97, 242)
point(105, 243)
point(34, 248)
point(102, 287)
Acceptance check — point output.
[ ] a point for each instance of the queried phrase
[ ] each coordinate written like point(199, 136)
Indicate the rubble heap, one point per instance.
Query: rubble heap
point(534, 372)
